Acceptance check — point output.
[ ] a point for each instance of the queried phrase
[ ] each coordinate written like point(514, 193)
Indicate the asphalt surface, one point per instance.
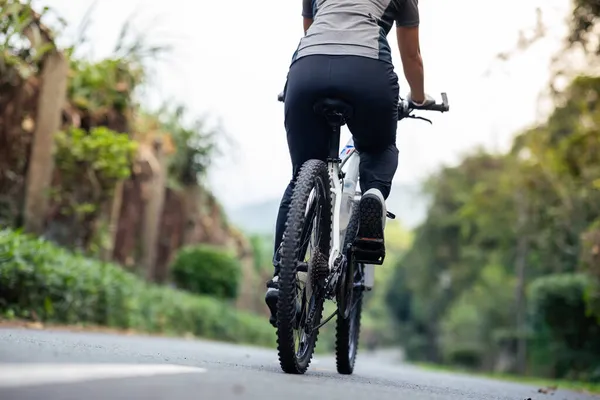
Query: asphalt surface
point(57, 365)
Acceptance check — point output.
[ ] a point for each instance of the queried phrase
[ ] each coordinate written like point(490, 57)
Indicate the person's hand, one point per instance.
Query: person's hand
point(428, 101)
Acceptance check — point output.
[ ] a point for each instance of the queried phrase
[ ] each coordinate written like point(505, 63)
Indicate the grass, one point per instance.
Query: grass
point(545, 385)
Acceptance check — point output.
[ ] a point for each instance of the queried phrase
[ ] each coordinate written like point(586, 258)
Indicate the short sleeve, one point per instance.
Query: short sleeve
point(307, 9)
point(408, 13)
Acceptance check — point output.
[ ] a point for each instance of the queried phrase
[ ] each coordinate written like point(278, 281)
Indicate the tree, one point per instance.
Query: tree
point(497, 223)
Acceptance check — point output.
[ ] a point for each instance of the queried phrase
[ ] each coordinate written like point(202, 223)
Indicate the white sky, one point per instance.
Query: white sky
point(232, 57)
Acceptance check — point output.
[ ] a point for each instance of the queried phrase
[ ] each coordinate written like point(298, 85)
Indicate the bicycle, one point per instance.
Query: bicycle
point(342, 267)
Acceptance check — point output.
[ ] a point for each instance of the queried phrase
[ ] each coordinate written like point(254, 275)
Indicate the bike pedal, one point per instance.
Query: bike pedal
point(369, 251)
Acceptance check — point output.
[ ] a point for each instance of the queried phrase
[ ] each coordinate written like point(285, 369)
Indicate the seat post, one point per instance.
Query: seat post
point(334, 143)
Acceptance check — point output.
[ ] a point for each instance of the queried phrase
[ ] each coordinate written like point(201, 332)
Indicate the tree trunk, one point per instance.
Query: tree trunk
point(153, 213)
point(50, 104)
point(520, 266)
point(115, 214)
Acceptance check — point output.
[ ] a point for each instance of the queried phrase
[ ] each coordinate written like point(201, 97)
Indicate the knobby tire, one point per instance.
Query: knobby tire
point(313, 174)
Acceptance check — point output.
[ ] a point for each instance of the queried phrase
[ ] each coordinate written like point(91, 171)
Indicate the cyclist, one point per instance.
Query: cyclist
point(345, 53)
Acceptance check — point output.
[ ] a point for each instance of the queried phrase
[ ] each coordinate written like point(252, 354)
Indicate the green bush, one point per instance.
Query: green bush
point(565, 332)
point(43, 282)
point(465, 356)
point(207, 270)
point(590, 262)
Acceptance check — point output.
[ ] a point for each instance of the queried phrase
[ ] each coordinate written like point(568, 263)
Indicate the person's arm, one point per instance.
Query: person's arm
point(407, 31)
point(307, 23)
point(307, 14)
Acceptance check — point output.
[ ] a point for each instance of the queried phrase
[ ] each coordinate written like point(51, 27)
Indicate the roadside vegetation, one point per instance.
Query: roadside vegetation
point(106, 218)
point(503, 277)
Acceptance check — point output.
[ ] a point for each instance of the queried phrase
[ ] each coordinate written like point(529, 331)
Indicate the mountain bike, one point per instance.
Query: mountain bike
point(324, 212)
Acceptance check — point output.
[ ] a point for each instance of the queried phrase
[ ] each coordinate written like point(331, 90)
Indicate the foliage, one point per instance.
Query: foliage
point(24, 41)
point(89, 166)
point(477, 318)
point(208, 270)
point(43, 282)
point(564, 328)
point(109, 84)
point(262, 252)
point(99, 87)
point(94, 155)
point(21, 41)
point(439, 268)
point(455, 293)
point(590, 262)
point(586, 14)
point(378, 328)
point(195, 143)
point(104, 153)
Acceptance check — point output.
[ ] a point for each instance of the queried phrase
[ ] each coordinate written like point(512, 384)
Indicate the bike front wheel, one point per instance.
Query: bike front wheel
point(302, 280)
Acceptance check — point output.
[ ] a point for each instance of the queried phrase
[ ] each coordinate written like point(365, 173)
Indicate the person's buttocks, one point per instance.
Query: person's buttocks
point(354, 27)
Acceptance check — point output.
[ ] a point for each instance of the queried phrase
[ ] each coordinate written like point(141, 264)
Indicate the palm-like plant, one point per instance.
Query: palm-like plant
point(196, 145)
point(24, 41)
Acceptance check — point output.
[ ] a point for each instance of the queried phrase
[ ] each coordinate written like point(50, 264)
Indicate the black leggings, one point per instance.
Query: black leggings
point(371, 87)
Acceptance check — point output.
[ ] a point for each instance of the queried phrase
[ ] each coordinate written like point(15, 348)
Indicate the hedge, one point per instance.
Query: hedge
point(566, 336)
point(41, 281)
point(207, 270)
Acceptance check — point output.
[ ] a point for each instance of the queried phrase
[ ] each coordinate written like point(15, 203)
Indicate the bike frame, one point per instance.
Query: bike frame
point(335, 164)
point(335, 167)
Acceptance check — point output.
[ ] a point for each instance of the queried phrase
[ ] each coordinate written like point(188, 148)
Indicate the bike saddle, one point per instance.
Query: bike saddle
point(336, 111)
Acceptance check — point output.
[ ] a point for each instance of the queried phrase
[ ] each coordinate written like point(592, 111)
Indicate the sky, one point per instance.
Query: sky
point(231, 58)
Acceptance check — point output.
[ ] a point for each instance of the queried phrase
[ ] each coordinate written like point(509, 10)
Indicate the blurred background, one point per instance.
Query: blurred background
point(143, 156)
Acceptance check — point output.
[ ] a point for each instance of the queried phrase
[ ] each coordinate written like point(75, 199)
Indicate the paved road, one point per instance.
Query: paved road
point(56, 365)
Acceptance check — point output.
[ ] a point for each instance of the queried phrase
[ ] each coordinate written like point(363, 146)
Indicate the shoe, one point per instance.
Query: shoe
point(372, 215)
point(272, 295)
point(271, 298)
point(369, 246)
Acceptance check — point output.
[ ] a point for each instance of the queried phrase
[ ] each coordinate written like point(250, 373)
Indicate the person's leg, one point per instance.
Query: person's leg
point(377, 169)
point(308, 138)
point(284, 208)
point(374, 124)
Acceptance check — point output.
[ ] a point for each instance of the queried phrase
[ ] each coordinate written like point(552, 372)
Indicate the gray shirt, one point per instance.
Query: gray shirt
point(354, 27)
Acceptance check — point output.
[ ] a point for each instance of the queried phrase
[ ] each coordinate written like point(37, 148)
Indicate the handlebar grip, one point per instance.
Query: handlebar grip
point(445, 100)
point(437, 106)
point(405, 108)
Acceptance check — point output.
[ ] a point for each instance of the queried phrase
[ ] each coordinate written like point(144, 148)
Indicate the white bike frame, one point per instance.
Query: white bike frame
point(336, 197)
point(337, 234)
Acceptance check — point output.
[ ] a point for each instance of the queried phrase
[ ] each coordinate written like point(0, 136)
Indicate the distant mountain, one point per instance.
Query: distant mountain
point(256, 218)
point(405, 201)
point(409, 204)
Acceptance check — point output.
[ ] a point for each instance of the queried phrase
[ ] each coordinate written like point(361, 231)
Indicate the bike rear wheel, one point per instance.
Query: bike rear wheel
point(301, 281)
point(347, 329)
point(347, 334)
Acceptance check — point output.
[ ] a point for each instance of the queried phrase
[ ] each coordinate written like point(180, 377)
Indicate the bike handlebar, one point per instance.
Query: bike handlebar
point(405, 108)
